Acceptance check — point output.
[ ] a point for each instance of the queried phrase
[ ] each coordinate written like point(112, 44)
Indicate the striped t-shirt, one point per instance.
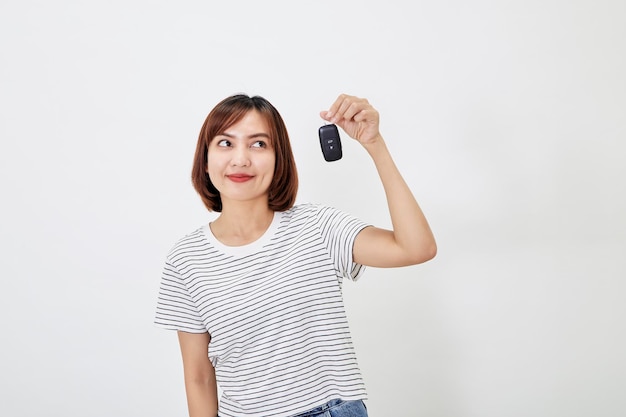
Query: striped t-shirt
point(280, 341)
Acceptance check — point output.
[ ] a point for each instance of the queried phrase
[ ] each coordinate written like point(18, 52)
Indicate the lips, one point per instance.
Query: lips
point(239, 177)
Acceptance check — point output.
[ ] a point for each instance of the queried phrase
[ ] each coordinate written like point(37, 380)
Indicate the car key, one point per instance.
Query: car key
point(330, 142)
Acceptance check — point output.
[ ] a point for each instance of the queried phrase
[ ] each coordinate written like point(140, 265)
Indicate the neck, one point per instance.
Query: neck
point(241, 223)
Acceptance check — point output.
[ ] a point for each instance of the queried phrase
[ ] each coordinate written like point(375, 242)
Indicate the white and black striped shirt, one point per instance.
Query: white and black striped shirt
point(280, 341)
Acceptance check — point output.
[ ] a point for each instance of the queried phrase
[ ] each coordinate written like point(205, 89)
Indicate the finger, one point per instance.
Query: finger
point(326, 115)
point(367, 114)
point(335, 112)
point(343, 108)
point(355, 108)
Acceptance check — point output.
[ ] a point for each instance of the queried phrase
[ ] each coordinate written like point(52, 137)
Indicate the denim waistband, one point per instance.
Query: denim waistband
point(320, 409)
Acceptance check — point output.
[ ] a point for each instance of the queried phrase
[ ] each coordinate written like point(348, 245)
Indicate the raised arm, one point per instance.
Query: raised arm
point(200, 383)
point(410, 241)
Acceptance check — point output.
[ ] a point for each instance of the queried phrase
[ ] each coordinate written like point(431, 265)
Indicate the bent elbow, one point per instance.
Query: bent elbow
point(424, 253)
point(431, 251)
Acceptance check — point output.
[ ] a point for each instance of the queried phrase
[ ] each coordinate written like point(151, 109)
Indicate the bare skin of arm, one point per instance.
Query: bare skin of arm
point(200, 382)
point(411, 240)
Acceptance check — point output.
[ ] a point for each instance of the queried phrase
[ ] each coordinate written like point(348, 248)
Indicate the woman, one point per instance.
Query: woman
point(259, 288)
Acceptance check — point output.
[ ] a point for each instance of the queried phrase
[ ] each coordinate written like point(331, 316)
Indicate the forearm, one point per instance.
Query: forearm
point(201, 397)
point(410, 241)
point(411, 230)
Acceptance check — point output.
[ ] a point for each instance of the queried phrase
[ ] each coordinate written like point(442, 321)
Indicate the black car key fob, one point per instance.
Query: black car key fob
point(330, 142)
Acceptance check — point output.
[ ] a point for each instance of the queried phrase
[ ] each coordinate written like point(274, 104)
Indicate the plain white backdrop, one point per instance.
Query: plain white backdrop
point(507, 118)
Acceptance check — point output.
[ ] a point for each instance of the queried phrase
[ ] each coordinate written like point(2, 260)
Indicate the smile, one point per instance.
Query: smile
point(239, 177)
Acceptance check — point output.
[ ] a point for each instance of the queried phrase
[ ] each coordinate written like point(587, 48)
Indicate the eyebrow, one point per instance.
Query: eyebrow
point(253, 136)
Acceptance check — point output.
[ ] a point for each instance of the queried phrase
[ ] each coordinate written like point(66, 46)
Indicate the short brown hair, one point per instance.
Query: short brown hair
point(284, 186)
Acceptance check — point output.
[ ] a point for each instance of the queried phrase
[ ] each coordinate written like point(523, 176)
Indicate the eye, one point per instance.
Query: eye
point(223, 142)
point(259, 144)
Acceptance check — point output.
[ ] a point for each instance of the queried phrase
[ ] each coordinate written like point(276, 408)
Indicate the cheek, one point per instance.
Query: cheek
point(208, 159)
point(271, 166)
point(212, 168)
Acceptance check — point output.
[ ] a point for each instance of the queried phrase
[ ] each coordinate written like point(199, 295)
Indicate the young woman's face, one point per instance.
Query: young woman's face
point(241, 160)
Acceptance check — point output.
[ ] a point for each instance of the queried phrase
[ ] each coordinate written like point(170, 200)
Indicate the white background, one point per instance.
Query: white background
point(508, 119)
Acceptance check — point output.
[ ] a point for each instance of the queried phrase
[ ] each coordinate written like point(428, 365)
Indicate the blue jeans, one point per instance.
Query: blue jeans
point(337, 408)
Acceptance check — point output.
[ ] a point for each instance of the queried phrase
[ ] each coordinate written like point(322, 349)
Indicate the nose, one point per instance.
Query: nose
point(240, 157)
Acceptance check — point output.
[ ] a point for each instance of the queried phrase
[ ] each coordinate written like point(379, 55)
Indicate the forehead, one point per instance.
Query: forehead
point(252, 122)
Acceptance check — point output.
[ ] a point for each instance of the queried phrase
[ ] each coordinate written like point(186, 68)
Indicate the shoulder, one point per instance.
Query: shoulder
point(309, 211)
point(320, 214)
point(186, 243)
point(309, 208)
point(302, 208)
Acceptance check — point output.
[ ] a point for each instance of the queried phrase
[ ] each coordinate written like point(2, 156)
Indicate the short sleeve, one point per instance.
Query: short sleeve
point(176, 309)
point(339, 230)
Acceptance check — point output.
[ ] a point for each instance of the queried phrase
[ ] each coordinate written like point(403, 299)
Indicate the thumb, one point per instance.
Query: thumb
point(324, 115)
